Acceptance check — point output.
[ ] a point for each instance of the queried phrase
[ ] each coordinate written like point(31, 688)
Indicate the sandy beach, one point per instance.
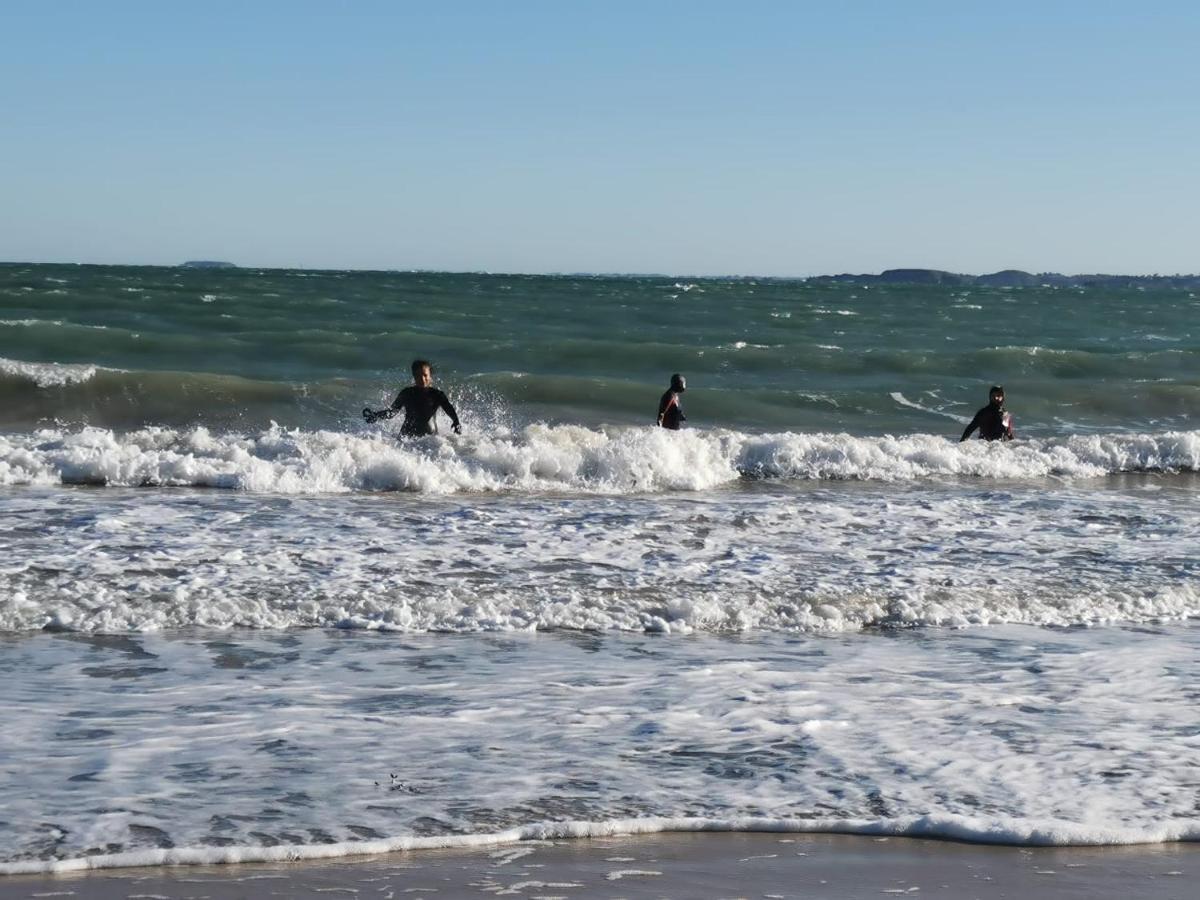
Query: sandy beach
point(673, 865)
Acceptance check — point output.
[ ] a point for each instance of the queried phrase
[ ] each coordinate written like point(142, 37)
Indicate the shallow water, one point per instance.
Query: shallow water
point(262, 739)
point(780, 557)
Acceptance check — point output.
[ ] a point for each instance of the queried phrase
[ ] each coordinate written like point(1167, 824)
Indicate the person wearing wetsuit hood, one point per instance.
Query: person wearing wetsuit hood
point(993, 421)
point(420, 402)
point(670, 412)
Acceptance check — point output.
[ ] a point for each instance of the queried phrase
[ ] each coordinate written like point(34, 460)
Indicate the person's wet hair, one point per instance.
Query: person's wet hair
point(419, 364)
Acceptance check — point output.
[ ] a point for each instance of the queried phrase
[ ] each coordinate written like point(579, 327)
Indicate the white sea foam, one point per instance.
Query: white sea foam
point(285, 747)
point(540, 457)
point(47, 374)
point(817, 398)
point(58, 323)
point(1034, 350)
point(904, 401)
point(773, 558)
point(971, 829)
point(661, 535)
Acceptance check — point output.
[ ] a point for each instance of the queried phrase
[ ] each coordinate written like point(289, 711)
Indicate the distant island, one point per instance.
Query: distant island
point(206, 264)
point(1010, 278)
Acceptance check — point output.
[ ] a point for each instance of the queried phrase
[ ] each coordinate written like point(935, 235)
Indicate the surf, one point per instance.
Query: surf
point(540, 458)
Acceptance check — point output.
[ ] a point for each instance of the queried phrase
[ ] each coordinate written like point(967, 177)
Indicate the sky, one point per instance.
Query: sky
point(786, 138)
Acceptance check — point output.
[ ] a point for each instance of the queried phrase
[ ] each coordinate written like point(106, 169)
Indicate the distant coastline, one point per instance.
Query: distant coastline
point(908, 276)
point(1010, 278)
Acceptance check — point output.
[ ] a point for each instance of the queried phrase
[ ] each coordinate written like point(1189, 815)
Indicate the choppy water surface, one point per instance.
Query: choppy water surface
point(126, 347)
point(228, 608)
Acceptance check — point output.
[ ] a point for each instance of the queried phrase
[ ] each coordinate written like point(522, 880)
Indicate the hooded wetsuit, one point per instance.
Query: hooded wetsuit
point(993, 422)
point(420, 405)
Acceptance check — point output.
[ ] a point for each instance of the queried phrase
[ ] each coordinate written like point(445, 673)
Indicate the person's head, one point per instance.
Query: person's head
point(996, 395)
point(678, 383)
point(422, 372)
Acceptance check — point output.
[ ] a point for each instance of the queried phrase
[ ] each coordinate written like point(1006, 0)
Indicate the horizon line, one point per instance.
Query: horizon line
point(225, 265)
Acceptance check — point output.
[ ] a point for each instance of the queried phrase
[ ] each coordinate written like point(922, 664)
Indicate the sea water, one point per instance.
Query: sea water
point(238, 623)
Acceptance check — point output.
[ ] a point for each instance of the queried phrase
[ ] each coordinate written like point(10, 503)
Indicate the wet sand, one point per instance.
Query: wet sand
point(672, 865)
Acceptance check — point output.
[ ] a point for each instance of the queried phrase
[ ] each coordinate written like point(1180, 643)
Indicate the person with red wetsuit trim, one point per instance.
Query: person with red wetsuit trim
point(670, 412)
point(993, 421)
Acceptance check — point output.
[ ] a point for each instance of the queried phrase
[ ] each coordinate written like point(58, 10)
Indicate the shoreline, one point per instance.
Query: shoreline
point(1046, 835)
point(704, 864)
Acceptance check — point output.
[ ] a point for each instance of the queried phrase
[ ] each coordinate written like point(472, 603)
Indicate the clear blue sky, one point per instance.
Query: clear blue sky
point(680, 137)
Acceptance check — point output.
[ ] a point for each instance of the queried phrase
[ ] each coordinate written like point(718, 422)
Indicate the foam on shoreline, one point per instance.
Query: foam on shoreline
point(1049, 833)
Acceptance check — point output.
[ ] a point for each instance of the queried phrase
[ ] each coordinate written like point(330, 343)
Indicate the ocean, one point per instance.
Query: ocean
point(239, 623)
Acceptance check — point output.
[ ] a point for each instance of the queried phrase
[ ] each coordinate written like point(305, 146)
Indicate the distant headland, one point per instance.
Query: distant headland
point(206, 264)
point(1010, 278)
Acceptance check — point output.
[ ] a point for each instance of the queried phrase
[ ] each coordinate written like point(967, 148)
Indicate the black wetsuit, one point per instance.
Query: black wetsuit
point(670, 413)
point(991, 424)
point(420, 405)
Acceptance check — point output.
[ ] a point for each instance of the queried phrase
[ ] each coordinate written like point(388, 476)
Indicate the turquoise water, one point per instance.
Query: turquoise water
point(126, 347)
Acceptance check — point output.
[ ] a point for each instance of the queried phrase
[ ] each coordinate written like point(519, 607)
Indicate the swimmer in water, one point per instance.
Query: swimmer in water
point(993, 421)
point(420, 402)
point(670, 412)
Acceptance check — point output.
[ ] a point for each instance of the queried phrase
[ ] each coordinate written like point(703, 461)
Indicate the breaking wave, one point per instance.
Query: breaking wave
point(556, 458)
point(46, 374)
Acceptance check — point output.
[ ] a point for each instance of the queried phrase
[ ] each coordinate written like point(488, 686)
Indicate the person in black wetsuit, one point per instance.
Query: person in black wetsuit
point(670, 412)
point(420, 402)
point(993, 421)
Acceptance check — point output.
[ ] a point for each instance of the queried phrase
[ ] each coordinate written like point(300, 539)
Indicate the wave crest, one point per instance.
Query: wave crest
point(556, 458)
point(47, 374)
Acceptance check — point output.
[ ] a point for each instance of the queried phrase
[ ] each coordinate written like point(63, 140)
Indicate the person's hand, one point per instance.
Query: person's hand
point(369, 414)
point(457, 428)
